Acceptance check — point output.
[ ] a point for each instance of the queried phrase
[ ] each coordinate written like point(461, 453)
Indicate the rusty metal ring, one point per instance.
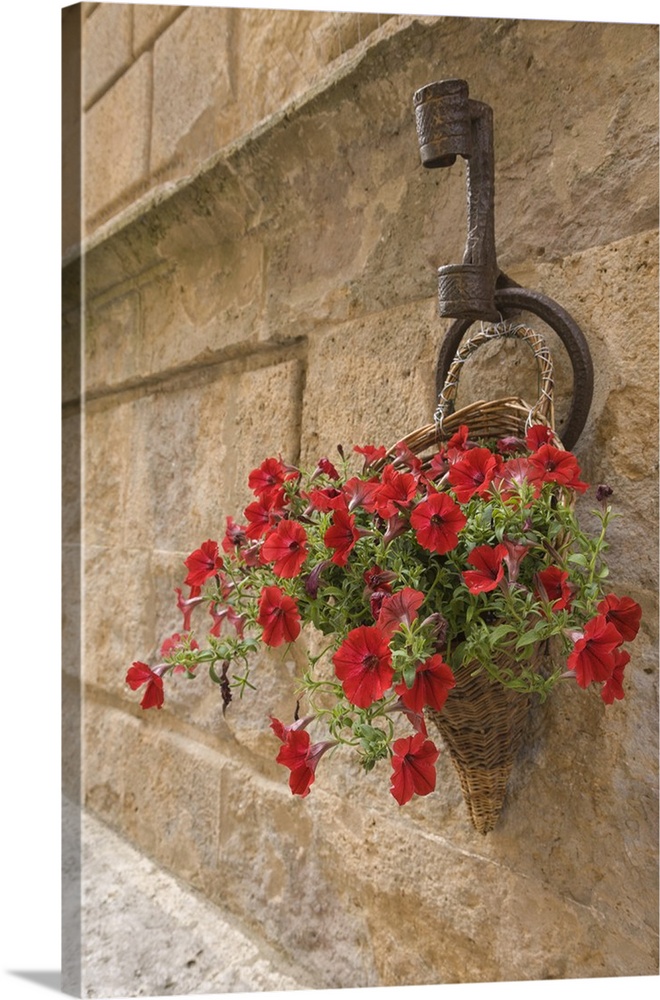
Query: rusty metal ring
point(509, 300)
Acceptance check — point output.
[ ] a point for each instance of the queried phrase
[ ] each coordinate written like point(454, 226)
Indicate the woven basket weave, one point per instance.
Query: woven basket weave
point(482, 723)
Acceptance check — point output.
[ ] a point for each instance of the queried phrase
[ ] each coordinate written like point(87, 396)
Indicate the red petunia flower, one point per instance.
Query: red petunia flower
point(552, 465)
point(515, 553)
point(624, 613)
point(593, 657)
point(372, 453)
point(488, 569)
point(281, 730)
point(413, 767)
point(363, 663)
point(538, 435)
point(397, 490)
point(270, 475)
point(434, 680)
point(405, 456)
point(187, 605)
point(264, 513)
point(286, 548)
point(278, 616)
point(301, 757)
point(325, 468)
point(459, 439)
point(219, 613)
point(554, 586)
point(361, 493)
point(510, 476)
point(325, 499)
point(140, 674)
point(613, 687)
point(235, 537)
point(399, 609)
point(202, 563)
point(437, 521)
point(341, 535)
point(473, 473)
point(379, 579)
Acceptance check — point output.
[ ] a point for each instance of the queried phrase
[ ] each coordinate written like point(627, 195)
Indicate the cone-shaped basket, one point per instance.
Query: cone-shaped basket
point(483, 722)
point(482, 725)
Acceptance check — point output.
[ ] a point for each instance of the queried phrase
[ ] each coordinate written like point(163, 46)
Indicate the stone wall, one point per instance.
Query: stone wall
point(276, 293)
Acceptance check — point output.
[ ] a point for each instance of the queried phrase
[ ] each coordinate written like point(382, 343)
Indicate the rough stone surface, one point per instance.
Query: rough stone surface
point(282, 300)
point(129, 903)
point(149, 21)
point(187, 92)
point(120, 121)
point(107, 48)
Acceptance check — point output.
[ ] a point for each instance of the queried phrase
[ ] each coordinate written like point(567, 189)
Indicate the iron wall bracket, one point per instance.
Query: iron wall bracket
point(450, 124)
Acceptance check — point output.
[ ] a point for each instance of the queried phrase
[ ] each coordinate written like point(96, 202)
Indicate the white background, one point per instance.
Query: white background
point(30, 486)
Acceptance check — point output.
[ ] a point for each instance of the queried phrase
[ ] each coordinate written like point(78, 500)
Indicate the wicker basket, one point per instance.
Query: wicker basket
point(482, 723)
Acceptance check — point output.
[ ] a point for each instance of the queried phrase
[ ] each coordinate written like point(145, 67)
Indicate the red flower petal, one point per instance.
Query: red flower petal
point(434, 680)
point(489, 568)
point(436, 522)
point(624, 613)
point(278, 616)
point(413, 767)
point(363, 663)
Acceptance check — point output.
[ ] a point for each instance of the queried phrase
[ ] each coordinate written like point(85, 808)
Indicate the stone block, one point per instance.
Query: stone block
point(107, 49)
point(191, 447)
point(116, 143)
point(193, 87)
point(112, 340)
point(106, 471)
point(370, 381)
point(163, 791)
point(150, 21)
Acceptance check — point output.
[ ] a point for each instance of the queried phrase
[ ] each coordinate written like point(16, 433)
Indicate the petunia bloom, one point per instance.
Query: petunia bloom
point(235, 537)
point(613, 687)
point(553, 465)
point(472, 473)
point(202, 563)
point(363, 664)
point(372, 453)
point(538, 435)
point(301, 757)
point(399, 609)
point(278, 616)
point(361, 493)
point(187, 605)
point(515, 553)
point(624, 613)
point(434, 680)
point(141, 673)
point(593, 657)
point(269, 476)
point(554, 586)
point(286, 547)
point(436, 522)
point(488, 568)
point(325, 468)
point(396, 491)
point(413, 767)
point(341, 535)
point(264, 513)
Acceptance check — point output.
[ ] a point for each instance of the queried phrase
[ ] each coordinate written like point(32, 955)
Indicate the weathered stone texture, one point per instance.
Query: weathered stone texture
point(107, 47)
point(190, 93)
point(116, 140)
point(283, 300)
point(150, 21)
